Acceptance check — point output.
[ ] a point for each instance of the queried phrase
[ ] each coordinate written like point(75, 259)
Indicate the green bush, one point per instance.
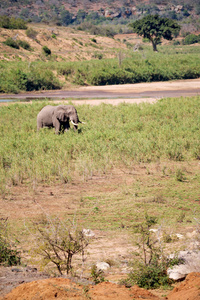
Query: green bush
point(25, 78)
point(46, 50)
point(97, 275)
point(17, 44)
point(150, 266)
point(24, 45)
point(12, 23)
point(94, 40)
point(11, 43)
point(31, 33)
point(9, 256)
point(149, 277)
point(176, 43)
point(190, 39)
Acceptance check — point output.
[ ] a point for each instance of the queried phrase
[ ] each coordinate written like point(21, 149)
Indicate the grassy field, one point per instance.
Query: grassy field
point(121, 137)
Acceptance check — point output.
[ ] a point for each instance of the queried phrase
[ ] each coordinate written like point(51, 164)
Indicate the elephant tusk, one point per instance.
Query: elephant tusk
point(74, 123)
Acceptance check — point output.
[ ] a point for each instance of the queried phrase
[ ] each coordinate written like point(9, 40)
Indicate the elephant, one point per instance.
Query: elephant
point(58, 117)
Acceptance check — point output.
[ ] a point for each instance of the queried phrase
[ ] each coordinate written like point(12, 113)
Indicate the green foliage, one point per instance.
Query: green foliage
point(26, 77)
point(154, 28)
point(12, 23)
point(191, 39)
point(97, 275)
point(171, 63)
point(31, 33)
point(9, 256)
point(24, 45)
point(17, 44)
point(149, 268)
point(93, 40)
point(149, 277)
point(105, 30)
point(180, 175)
point(46, 50)
point(11, 43)
point(66, 17)
point(98, 55)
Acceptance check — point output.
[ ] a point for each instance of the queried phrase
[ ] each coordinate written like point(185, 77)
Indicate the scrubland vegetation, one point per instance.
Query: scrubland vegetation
point(172, 62)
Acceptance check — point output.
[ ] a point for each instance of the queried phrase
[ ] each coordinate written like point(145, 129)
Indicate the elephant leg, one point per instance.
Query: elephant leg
point(75, 127)
point(66, 126)
point(57, 126)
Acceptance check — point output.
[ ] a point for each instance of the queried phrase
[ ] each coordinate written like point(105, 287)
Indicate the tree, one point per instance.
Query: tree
point(66, 17)
point(154, 28)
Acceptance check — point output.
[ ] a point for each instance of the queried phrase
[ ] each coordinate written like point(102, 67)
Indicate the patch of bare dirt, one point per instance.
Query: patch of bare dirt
point(189, 289)
point(114, 94)
point(62, 288)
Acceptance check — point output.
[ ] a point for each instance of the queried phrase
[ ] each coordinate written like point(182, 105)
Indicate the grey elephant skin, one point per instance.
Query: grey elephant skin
point(58, 117)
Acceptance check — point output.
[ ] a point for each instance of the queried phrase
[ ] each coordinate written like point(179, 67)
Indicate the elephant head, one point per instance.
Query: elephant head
point(66, 113)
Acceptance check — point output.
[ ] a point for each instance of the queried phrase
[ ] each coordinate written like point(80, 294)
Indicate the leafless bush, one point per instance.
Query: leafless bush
point(57, 241)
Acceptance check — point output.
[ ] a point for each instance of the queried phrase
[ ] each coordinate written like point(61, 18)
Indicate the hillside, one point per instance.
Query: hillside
point(75, 12)
point(65, 44)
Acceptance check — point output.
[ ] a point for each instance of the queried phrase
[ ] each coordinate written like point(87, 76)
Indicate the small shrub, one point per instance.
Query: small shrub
point(176, 43)
point(24, 45)
point(31, 33)
point(98, 55)
point(181, 217)
point(145, 40)
point(58, 241)
point(53, 36)
point(8, 255)
point(46, 50)
point(12, 23)
point(180, 175)
point(190, 39)
point(149, 277)
point(149, 268)
point(97, 275)
point(94, 40)
point(11, 43)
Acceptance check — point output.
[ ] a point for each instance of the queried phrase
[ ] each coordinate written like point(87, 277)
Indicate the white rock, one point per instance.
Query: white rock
point(88, 232)
point(102, 266)
point(180, 236)
point(153, 230)
point(175, 273)
point(191, 264)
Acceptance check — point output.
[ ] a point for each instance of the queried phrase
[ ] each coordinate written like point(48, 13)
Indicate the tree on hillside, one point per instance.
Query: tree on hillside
point(154, 28)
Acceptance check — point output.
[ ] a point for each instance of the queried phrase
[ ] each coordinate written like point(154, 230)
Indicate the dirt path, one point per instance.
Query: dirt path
point(114, 94)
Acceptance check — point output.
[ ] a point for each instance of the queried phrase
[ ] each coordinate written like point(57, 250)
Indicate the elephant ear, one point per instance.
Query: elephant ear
point(61, 115)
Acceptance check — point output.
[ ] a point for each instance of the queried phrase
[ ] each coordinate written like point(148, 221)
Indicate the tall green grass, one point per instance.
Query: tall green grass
point(114, 135)
point(170, 63)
